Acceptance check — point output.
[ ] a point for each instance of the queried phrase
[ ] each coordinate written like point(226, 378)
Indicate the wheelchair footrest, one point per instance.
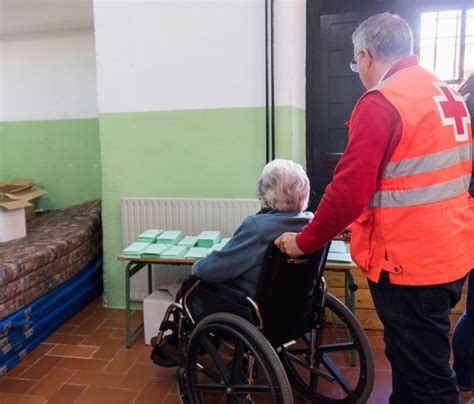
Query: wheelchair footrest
point(159, 359)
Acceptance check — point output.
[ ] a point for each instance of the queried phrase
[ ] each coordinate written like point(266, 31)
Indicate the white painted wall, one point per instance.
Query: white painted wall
point(290, 52)
point(20, 16)
point(191, 54)
point(48, 75)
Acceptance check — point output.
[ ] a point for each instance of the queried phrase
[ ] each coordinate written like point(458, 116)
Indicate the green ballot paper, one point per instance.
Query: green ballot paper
point(175, 252)
point(155, 250)
point(208, 238)
point(135, 249)
point(149, 235)
point(172, 237)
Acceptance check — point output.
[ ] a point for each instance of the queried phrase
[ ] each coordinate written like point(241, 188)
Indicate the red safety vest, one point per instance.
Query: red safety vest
point(419, 225)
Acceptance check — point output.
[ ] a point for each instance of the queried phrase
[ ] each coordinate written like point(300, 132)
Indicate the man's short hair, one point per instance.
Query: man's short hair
point(387, 36)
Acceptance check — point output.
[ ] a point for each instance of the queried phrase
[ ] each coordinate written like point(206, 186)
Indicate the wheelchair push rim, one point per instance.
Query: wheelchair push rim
point(229, 358)
point(343, 367)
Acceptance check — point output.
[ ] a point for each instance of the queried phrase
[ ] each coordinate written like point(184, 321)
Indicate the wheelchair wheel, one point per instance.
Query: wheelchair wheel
point(343, 367)
point(225, 354)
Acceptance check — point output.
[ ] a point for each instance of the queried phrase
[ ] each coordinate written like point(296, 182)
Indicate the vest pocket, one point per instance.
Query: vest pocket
point(362, 243)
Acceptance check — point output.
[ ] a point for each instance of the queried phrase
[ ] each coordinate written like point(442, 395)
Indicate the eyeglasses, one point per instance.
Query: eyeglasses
point(353, 64)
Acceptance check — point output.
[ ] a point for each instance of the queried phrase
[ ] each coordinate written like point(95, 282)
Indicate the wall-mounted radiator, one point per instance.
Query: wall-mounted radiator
point(186, 214)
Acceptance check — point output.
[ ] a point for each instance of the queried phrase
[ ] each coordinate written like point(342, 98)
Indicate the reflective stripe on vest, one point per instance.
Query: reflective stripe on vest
point(420, 196)
point(428, 162)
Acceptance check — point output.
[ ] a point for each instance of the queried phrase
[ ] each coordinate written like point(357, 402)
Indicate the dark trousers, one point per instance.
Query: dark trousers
point(416, 325)
point(463, 342)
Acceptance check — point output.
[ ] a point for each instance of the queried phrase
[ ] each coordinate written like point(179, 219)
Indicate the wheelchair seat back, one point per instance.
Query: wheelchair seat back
point(286, 293)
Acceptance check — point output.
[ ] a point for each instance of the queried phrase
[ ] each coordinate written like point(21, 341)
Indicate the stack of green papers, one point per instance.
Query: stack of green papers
point(188, 241)
point(171, 237)
point(135, 249)
point(338, 246)
point(339, 257)
point(208, 238)
point(149, 235)
point(154, 250)
point(177, 251)
point(197, 253)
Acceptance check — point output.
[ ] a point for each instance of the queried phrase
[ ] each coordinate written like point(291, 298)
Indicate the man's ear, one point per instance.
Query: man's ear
point(366, 58)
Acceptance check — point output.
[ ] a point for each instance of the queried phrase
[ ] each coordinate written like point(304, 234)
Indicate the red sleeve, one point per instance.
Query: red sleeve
point(375, 132)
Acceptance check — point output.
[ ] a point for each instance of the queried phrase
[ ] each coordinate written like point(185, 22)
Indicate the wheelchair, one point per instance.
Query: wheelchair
point(294, 333)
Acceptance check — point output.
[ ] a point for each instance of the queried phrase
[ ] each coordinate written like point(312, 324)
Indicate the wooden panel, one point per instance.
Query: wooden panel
point(365, 311)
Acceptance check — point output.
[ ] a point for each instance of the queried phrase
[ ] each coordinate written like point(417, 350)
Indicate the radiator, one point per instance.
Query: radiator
point(186, 214)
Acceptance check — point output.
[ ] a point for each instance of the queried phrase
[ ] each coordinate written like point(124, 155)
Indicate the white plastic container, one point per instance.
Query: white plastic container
point(154, 308)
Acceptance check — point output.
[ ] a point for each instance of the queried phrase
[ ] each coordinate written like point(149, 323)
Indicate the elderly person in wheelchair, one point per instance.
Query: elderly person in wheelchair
point(250, 319)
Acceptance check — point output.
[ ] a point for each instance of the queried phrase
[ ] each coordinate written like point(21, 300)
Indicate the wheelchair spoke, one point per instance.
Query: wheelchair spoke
point(209, 387)
point(212, 351)
point(336, 373)
point(344, 347)
point(210, 373)
point(302, 351)
point(251, 388)
point(238, 362)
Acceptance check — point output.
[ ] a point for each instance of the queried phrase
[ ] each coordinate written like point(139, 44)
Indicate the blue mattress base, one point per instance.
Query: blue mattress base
point(25, 329)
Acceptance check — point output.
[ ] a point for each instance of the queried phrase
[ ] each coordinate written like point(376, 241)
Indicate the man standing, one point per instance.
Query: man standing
point(402, 182)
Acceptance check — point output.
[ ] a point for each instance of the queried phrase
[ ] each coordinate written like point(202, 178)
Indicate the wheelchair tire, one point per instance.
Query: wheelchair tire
point(218, 355)
point(343, 372)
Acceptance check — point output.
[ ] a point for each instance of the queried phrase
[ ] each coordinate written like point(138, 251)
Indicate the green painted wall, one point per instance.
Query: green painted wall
point(62, 155)
point(193, 153)
point(2, 177)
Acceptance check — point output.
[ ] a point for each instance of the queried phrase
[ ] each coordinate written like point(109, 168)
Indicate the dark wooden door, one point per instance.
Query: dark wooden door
point(332, 89)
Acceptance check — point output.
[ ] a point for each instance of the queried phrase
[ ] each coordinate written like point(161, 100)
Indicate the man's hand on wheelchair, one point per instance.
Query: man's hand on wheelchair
point(287, 244)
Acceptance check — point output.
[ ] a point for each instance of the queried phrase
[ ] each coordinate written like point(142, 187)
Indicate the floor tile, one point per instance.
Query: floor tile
point(16, 371)
point(122, 362)
point(155, 391)
point(108, 395)
point(87, 378)
point(20, 399)
point(36, 354)
point(51, 382)
point(83, 364)
point(65, 329)
point(17, 386)
point(73, 351)
point(98, 337)
point(65, 339)
point(41, 368)
point(109, 349)
point(137, 376)
point(66, 394)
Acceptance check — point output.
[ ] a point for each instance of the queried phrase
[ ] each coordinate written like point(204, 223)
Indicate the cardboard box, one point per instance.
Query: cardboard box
point(154, 309)
point(12, 219)
point(22, 189)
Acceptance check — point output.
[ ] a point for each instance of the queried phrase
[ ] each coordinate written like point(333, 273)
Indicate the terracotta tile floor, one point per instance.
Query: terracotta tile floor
point(85, 361)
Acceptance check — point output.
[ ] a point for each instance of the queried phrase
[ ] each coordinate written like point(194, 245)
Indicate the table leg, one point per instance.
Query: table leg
point(349, 292)
point(128, 322)
point(150, 280)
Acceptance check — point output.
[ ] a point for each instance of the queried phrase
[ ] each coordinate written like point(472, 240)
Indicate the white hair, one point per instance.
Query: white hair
point(283, 186)
point(387, 37)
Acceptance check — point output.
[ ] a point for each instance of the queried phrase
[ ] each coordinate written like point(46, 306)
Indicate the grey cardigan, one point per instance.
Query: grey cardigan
point(240, 261)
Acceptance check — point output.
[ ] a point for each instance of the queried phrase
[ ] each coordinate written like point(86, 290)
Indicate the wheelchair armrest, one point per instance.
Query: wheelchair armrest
point(187, 283)
point(231, 290)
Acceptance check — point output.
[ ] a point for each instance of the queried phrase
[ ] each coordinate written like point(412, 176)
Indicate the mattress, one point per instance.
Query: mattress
point(57, 246)
point(25, 329)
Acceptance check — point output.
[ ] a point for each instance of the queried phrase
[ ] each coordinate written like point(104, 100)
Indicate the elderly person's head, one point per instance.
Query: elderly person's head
point(379, 41)
point(283, 186)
